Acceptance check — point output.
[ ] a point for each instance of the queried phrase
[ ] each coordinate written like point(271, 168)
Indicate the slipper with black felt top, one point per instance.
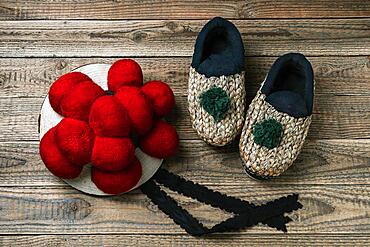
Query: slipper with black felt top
point(216, 92)
point(278, 118)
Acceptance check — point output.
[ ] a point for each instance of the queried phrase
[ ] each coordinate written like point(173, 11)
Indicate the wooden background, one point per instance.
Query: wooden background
point(41, 40)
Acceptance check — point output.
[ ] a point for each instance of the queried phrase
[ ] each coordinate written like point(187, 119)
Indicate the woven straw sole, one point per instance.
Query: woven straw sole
point(222, 132)
point(261, 162)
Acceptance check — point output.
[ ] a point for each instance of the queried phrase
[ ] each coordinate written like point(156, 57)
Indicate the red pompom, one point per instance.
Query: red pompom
point(75, 140)
point(161, 96)
point(54, 159)
point(62, 85)
point(162, 142)
point(119, 181)
point(124, 72)
point(109, 118)
point(77, 103)
point(138, 107)
point(112, 154)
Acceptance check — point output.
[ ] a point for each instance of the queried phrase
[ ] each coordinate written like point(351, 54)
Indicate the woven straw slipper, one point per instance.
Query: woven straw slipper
point(278, 118)
point(216, 93)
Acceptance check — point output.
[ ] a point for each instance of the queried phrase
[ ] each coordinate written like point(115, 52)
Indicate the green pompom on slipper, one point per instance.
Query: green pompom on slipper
point(268, 133)
point(216, 102)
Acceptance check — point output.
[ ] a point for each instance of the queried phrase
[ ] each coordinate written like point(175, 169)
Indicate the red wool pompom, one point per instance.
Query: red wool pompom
point(124, 72)
point(62, 85)
point(75, 140)
point(162, 142)
point(109, 118)
point(138, 107)
point(54, 159)
point(112, 154)
point(119, 181)
point(97, 128)
point(77, 103)
point(161, 96)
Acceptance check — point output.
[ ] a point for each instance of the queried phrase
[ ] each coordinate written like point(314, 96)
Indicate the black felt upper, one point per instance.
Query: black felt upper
point(218, 49)
point(289, 85)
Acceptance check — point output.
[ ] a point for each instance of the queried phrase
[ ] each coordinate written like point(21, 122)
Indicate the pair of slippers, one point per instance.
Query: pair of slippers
point(278, 118)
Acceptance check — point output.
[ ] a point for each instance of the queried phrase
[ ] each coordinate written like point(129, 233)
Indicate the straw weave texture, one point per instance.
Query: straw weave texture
point(222, 132)
point(265, 162)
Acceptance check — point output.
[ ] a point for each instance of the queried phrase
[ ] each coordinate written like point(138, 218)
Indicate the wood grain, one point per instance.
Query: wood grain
point(341, 106)
point(32, 77)
point(322, 162)
point(189, 9)
point(343, 117)
point(50, 210)
point(331, 174)
point(151, 38)
point(238, 240)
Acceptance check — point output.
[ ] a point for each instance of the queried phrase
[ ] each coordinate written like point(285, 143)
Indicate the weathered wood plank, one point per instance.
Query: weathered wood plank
point(321, 162)
point(239, 239)
point(32, 77)
point(40, 210)
point(342, 89)
point(190, 9)
point(177, 37)
point(335, 116)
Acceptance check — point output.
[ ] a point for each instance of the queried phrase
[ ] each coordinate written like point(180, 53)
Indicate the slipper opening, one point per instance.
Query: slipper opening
point(218, 49)
point(289, 85)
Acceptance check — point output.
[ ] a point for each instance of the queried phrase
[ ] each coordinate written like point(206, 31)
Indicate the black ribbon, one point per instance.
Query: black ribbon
point(246, 214)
